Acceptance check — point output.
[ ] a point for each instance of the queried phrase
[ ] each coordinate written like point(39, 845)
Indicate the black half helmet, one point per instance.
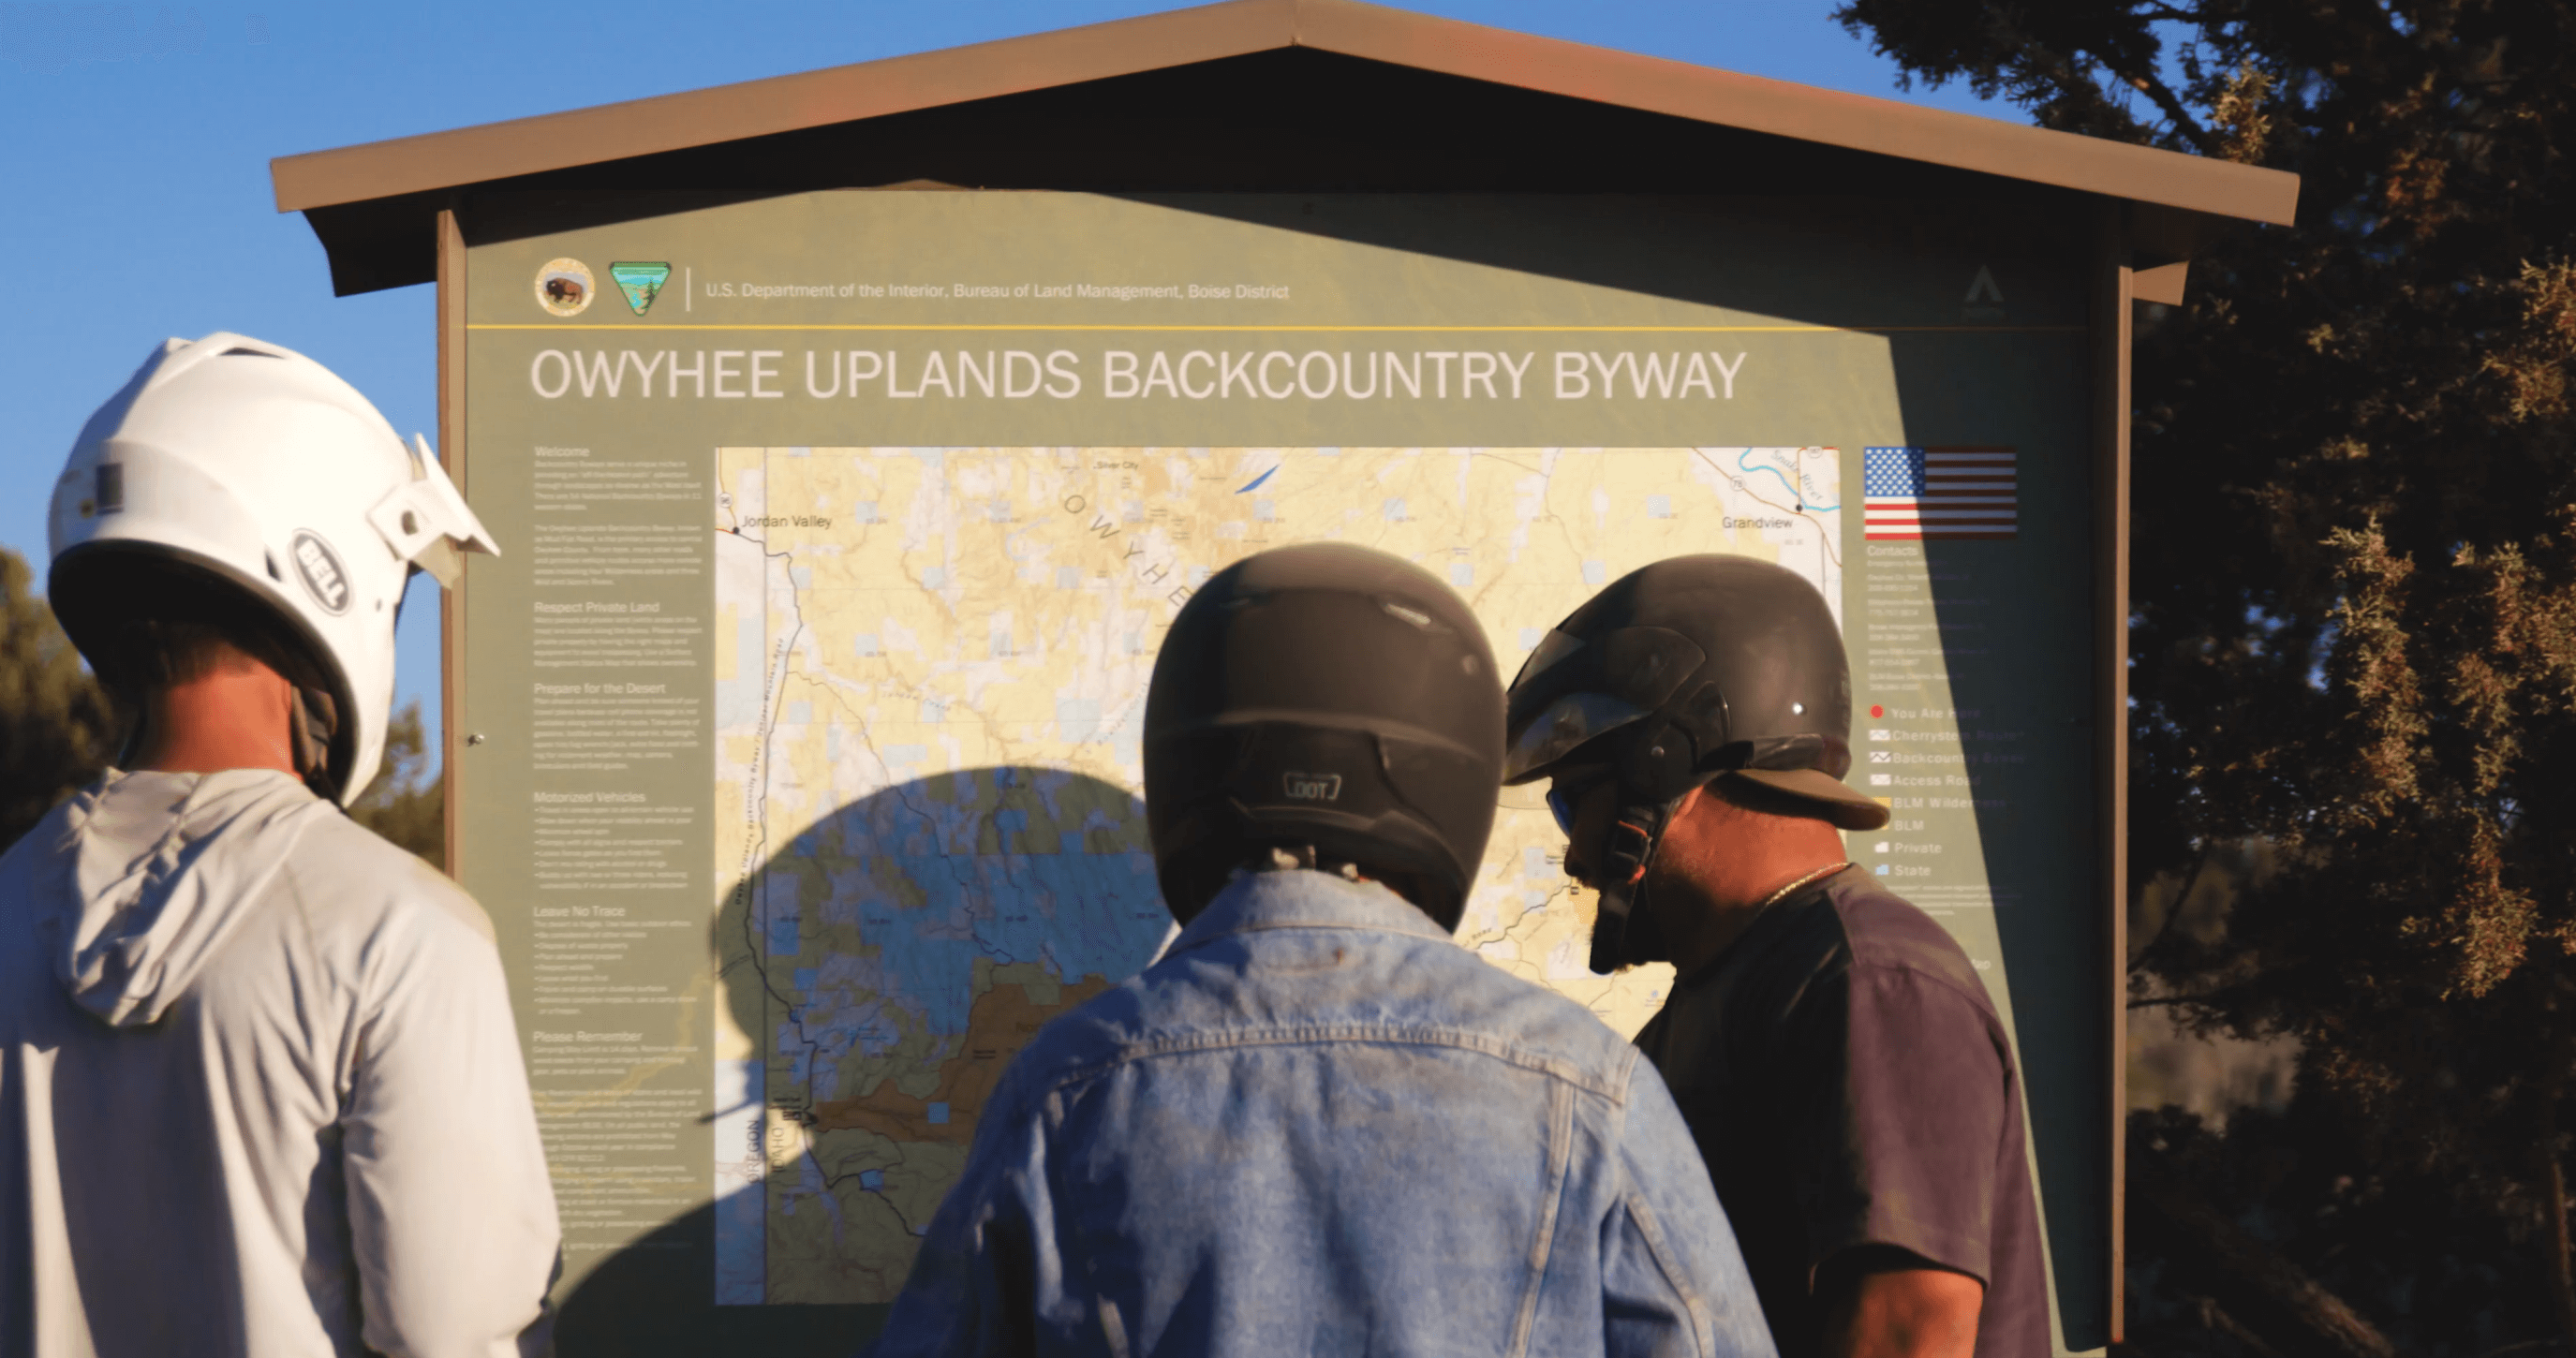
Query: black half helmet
point(1732, 665)
point(1689, 670)
point(1330, 697)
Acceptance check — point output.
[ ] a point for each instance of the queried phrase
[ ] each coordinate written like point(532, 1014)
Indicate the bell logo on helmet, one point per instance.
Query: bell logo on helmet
point(1312, 787)
point(319, 567)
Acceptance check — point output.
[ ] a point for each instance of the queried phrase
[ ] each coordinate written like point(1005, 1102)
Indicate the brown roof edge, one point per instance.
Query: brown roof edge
point(1347, 27)
point(755, 108)
point(1804, 112)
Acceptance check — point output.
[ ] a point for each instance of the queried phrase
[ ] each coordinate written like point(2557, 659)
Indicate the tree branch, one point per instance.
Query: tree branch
point(2214, 1317)
point(2261, 1291)
point(2190, 883)
point(2204, 997)
point(2165, 100)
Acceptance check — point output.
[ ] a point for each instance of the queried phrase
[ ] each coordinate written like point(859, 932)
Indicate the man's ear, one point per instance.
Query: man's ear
point(1697, 811)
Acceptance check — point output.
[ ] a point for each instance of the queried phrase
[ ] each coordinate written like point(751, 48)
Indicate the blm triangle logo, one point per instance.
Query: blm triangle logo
point(640, 282)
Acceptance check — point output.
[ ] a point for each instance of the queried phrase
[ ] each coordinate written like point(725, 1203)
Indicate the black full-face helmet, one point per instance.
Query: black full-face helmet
point(1689, 670)
point(1329, 701)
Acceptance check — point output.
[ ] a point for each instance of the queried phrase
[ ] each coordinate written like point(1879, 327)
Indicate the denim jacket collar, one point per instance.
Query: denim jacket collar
point(1302, 899)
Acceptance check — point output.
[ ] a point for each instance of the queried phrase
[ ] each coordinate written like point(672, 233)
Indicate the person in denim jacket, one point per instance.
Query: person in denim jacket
point(1317, 1125)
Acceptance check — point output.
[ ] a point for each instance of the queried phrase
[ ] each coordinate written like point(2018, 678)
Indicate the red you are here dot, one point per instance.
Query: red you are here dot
point(1877, 711)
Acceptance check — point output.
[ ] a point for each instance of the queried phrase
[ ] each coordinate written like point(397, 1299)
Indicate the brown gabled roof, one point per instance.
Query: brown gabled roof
point(369, 200)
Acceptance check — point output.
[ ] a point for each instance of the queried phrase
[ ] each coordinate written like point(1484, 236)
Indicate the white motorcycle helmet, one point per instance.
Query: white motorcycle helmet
point(258, 466)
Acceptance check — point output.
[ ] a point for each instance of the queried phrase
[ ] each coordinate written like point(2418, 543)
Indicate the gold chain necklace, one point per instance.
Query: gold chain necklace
point(1775, 897)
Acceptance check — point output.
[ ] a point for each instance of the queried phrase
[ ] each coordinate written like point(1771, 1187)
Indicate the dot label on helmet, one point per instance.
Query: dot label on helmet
point(1312, 787)
point(319, 567)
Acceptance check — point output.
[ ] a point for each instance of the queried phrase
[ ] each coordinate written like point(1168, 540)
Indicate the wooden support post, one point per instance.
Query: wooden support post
point(451, 454)
point(2114, 294)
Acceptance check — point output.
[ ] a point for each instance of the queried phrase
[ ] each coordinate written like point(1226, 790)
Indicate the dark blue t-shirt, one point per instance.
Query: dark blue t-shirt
point(1849, 1084)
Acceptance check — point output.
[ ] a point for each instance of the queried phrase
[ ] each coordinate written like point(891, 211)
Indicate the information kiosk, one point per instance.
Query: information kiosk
point(851, 437)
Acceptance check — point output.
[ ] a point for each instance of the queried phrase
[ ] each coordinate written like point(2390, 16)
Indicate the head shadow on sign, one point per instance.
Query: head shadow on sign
point(887, 961)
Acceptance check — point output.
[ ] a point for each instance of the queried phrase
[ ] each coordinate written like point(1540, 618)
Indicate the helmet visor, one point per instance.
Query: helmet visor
point(1564, 727)
point(1553, 647)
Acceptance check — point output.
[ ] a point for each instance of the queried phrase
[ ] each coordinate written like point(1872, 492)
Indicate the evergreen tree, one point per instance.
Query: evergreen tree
point(2354, 643)
point(57, 729)
point(407, 803)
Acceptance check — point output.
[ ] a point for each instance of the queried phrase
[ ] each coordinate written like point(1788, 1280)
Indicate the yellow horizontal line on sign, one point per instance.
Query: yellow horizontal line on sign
point(1342, 329)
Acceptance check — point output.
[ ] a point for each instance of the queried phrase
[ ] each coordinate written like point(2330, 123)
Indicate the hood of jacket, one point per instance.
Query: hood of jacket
point(149, 873)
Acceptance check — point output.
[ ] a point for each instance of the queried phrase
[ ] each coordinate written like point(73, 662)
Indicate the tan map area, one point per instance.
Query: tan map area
point(932, 669)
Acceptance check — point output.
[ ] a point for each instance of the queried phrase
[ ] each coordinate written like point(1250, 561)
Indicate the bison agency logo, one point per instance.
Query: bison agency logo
point(319, 567)
point(564, 287)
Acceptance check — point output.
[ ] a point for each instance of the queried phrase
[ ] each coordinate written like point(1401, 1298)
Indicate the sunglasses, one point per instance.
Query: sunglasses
point(1565, 794)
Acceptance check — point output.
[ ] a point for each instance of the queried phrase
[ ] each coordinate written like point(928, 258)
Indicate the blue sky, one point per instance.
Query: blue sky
point(136, 159)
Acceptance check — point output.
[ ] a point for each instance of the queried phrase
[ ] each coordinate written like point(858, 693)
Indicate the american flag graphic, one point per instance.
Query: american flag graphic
point(1960, 492)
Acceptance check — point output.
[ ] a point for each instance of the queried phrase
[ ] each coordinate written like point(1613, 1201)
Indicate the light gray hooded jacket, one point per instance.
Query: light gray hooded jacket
point(260, 1092)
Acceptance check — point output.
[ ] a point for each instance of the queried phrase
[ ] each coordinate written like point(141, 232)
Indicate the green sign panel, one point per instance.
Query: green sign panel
point(837, 546)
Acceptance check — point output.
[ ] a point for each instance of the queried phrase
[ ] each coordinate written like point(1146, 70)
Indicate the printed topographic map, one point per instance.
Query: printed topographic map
point(931, 675)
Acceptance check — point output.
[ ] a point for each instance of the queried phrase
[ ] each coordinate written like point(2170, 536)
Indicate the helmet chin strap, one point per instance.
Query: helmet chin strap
point(1621, 934)
point(1653, 778)
point(312, 721)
